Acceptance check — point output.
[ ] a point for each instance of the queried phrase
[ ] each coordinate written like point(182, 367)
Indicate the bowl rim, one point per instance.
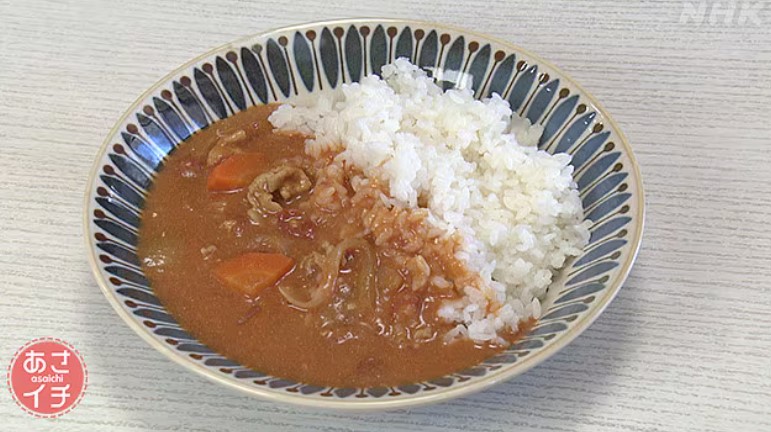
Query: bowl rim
point(371, 404)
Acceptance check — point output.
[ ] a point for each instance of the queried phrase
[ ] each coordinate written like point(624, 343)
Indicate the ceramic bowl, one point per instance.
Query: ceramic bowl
point(294, 61)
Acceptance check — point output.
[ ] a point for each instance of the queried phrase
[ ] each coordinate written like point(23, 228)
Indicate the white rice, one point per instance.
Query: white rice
point(516, 207)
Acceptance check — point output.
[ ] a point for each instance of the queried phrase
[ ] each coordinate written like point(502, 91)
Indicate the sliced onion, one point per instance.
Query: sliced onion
point(321, 293)
point(366, 282)
point(330, 269)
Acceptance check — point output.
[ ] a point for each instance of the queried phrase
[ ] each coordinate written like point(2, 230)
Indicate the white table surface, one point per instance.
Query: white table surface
point(686, 346)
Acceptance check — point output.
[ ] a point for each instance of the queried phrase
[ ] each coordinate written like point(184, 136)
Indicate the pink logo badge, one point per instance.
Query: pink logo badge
point(47, 377)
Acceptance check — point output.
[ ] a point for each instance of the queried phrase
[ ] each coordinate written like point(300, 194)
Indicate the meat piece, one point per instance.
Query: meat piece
point(419, 271)
point(225, 147)
point(287, 181)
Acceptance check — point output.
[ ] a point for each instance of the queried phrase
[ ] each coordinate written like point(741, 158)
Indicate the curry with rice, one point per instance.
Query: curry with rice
point(299, 266)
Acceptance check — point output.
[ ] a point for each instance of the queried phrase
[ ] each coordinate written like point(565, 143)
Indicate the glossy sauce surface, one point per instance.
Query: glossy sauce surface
point(388, 335)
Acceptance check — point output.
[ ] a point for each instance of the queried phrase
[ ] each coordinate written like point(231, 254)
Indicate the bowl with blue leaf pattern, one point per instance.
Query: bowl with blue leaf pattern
point(291, 62)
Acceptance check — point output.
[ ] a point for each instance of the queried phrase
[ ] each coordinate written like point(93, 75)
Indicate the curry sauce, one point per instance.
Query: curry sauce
point(355, 301)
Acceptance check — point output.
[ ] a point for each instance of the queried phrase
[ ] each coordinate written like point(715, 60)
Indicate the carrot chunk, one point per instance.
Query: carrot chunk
point(252, 272)
point(236, 171)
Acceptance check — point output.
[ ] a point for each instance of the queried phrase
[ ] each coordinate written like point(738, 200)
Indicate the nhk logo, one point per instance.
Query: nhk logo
point(715, 13)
